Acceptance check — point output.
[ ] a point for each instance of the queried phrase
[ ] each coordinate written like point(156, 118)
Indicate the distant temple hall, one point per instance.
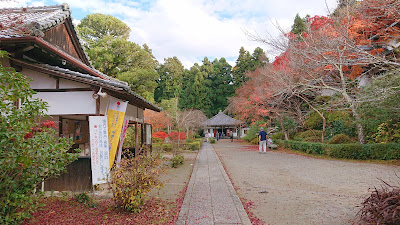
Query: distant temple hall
point(224, 125)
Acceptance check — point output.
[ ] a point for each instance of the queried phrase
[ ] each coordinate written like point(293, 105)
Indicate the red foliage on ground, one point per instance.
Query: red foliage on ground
point(160, 134)
point(61, 211)
point(251, 148)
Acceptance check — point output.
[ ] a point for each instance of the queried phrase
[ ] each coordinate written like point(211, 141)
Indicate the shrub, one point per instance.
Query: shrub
point(30, 150)
point(310, 134)
point(253, 131)
point(160, 134)
point(157, 140)
point(278, 136)
point(212, 140)
point(189, 140)
point(85, 199)
point(197, 136)
point(388, 131)
point(312, 139)
point(382, 206)
point(388, 151)
point(166, 147)
point(177, 160)
point(339, 139)
point(254, 141)
point(175, 135)
point(132, 179)
point(194, 145)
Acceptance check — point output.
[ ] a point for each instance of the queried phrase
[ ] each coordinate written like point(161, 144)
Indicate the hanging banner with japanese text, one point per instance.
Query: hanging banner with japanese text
point(115, 115)
point(99, 149)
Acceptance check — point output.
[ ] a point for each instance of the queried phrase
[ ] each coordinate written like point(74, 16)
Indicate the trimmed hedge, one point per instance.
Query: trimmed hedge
point(384, 151)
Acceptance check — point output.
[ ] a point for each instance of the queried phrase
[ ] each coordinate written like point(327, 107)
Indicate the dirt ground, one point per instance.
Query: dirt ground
point(175, 179)
point(294, 189)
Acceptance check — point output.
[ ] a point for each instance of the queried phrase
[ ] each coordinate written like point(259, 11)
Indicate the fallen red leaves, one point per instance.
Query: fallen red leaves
point(57, 210)
point(251, 148)
point(61, 211)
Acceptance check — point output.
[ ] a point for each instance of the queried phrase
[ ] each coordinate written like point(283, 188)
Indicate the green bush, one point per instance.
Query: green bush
point(157, 140)
point(212, 140)
point(312, 139)
point(132, 179)
point(197, 136)
point(253, 131)
point(177, 160)
point(278, 136)
point(389, 151)
point(311, 135)
point(254, 141)
point(189, 140)
point(194, 145)
point(30, 149)
point(339, 139)
point(166, 147)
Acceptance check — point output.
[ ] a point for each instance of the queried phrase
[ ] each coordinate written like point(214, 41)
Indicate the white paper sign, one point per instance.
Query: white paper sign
point(100, 156)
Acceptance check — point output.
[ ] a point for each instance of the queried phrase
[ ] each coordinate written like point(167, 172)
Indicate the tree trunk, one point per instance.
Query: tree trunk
point(283, 128)
point(357, 117)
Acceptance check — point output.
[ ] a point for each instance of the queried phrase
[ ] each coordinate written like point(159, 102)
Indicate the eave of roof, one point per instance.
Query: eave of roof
point(221, 120)
point(110, 84)
point(57, 51)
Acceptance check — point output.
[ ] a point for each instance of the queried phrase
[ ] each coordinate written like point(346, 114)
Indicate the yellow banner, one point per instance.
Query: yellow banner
point(115, 117)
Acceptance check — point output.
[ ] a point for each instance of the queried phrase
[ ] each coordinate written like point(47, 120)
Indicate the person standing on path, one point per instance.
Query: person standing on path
point(262, 138)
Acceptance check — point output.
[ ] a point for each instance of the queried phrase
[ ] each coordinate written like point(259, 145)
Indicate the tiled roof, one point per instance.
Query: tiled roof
point(221, 120)
point(111, 84)
point(31, 21)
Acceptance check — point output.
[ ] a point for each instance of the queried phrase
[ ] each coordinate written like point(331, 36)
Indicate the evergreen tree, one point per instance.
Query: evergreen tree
point(247, 63)
point(170, 79)
point(221, 86)
point(299, 25)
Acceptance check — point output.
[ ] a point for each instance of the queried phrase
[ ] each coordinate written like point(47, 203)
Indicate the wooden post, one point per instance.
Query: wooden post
point(136, 139)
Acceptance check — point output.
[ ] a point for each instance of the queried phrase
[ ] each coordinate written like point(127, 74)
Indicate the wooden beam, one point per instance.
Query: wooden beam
point(136, 139)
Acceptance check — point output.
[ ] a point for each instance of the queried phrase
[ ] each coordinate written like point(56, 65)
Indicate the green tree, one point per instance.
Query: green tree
point(95, 27)
point(221, 85)
point(170, 79)
point(246, 63)
point(30, 149)
point(299, 25)
point(194, 95)
point(242, 66)
point(106, 42)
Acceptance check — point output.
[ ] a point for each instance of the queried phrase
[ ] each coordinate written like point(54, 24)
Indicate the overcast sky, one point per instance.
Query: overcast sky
point(193, 29)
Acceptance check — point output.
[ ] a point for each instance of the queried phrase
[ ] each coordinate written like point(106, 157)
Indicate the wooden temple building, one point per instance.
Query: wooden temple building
point(43, 45)
point(224, 125)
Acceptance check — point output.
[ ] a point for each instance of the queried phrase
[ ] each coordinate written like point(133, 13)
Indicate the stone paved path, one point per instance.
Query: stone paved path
point(210, 197)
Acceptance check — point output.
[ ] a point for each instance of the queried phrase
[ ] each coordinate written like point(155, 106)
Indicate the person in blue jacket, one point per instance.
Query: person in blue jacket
point(262, 137)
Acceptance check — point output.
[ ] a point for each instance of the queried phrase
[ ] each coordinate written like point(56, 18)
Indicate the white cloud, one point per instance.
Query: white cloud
point(193, 29)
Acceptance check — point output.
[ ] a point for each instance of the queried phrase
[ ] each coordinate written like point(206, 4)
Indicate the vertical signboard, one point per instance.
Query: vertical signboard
point(99, 149)
point(115, 115)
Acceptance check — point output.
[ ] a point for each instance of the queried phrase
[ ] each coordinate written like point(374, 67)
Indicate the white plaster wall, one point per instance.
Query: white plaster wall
point(64, 83)
point(132, 113)
point(65, 103)
point(40, 80)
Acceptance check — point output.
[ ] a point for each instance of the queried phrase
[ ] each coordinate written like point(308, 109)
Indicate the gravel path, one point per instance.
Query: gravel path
point(294, 189)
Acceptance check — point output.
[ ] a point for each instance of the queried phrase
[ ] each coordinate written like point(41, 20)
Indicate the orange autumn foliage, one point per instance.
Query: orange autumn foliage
point(159, 120)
